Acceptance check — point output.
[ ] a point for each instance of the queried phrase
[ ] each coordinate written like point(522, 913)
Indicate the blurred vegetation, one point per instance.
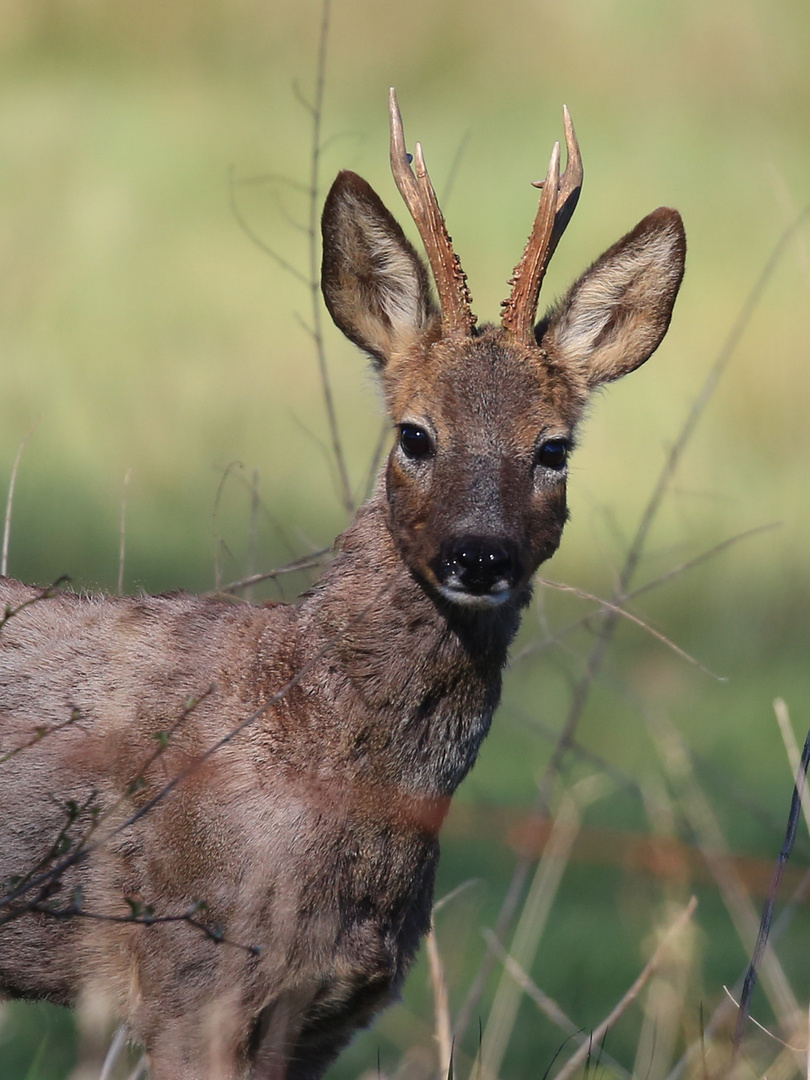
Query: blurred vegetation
point(144, 331)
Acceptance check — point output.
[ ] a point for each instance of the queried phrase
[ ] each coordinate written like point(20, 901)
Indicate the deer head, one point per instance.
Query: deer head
point(485, 417)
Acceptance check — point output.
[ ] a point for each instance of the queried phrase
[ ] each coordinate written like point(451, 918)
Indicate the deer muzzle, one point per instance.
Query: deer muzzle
point(478, 570)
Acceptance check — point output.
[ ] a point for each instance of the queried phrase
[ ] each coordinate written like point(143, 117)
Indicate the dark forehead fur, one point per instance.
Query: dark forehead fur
point(488, 376)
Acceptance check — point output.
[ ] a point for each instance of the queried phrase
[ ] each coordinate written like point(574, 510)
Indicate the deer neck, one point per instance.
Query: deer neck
point(413, 680)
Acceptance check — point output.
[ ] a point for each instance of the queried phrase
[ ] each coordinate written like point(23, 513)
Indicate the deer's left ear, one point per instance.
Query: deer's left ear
point(375, 285)
point(616, 314)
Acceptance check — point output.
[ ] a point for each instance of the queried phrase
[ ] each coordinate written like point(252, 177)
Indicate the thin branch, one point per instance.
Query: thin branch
point(448, 898)
point(720, 1017)
point(122, 544)
point(308, 562)
point(34, 878)
point(690, 564)
point(697, 810)
point(272, 178)
point(792, 750)
point(76, 911)
point(43, 594)
point(215, 514)
point(316, 111)
point(556, 637)
point(622, 612)
point(303, 101)
point(376, 459)
point(140, 1070)
point(452, 174)
point(253, 532)
point(255, 500)
point(241, 220)
point(40, 733)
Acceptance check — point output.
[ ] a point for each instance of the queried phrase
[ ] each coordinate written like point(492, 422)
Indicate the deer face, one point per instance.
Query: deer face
point(476, 476)
point(485, 418)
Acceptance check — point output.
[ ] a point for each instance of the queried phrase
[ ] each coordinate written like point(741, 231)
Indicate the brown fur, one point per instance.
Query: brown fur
point(311, 834)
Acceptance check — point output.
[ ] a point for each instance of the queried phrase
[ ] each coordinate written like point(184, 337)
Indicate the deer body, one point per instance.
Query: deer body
point(291, 765)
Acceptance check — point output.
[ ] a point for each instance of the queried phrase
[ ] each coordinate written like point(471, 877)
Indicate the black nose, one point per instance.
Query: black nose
point(478, 565)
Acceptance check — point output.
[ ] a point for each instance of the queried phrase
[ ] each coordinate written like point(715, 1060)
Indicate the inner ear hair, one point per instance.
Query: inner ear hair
point(374, 284)
point(614, 317)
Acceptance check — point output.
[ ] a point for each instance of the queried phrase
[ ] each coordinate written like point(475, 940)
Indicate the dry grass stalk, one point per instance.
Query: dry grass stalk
point(665, 1006)
point(547, 1005)
point(701, 818)
point(534, 917)
point(577, 1059)
point(12, 482)
point(441, 1005)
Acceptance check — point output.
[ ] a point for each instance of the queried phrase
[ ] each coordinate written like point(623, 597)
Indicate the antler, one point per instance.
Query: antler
point(557, 204)
point(420, 198)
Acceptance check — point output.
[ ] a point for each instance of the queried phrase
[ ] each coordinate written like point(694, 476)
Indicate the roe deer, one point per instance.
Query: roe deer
point(290, 765)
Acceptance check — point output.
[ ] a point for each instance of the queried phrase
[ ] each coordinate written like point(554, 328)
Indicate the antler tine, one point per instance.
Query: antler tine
point(570, 182)
point(420, 198)
point(557, 204)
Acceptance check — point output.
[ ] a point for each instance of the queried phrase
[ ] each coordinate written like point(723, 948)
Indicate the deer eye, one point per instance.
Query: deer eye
point(552, 454)
point(415, 441)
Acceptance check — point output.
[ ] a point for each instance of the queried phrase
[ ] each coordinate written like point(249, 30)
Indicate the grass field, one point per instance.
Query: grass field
point(146, 334)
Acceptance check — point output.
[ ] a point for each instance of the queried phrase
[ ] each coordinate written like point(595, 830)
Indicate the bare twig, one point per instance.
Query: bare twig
point(40, 733)
point(140, 1070)
point(122, 546)
point(145, 917)
point(623, 613)
point(453, 171)
point(551, 639)
point(376, 459)
point(316, 111)
point(253, 532)
point(306, 562)
point(285, 265)
point(314, 107)
point(43, 594)
point(215, 515)
point(34, 878)
point(720, 1016)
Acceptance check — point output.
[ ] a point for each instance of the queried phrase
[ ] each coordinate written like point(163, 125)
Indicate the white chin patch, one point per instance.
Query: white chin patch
point(474, 600)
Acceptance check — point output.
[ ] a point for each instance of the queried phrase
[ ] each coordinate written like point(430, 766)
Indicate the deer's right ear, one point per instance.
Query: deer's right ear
point(375, 285)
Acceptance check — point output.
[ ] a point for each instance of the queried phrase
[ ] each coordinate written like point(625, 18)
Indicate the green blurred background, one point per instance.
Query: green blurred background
point(143, 330)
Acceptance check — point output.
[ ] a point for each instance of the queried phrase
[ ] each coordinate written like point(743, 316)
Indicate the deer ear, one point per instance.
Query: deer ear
point(375, 285)
point(616, 314)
